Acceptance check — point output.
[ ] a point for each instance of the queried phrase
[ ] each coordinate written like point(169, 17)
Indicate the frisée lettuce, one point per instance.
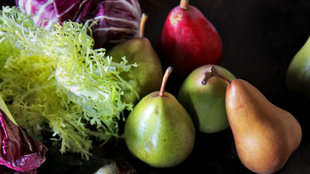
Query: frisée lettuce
point(54, 81)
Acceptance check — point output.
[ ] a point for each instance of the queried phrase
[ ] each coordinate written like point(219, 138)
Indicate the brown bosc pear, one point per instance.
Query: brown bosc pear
point(265, 135)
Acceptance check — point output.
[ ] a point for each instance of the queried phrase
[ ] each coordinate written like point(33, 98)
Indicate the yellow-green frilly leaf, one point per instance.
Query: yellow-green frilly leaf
point(55, 81)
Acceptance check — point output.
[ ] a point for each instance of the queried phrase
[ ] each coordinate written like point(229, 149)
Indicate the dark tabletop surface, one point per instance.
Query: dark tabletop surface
point(260, 37)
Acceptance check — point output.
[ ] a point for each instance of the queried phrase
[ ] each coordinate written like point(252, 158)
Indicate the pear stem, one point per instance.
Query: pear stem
point(142, 25)
point(184, 4)
point(214, 72)
point(165, 78)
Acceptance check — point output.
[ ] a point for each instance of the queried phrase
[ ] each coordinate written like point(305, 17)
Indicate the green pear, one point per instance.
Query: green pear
point(146, 77)
point(159, 131)
point(203, 96)
point(298, 74)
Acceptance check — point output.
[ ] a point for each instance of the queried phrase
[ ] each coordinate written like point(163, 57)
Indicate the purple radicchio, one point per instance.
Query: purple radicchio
point(49, 12)
point(19, 151)
point(116, 20)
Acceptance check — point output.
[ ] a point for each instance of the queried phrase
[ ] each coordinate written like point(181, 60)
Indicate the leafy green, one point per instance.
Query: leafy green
point(55, 81)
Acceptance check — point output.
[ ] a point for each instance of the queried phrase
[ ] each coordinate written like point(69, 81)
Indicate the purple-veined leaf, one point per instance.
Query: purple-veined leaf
point(19, 151)
point(49, 12)
point(116, 20)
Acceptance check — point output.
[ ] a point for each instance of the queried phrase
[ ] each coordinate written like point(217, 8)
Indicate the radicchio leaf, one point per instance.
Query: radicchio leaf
point(117, 20)
point(49, 12)
point(19, 151)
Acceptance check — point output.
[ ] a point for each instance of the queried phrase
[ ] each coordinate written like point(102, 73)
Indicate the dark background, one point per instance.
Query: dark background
point(260, 37)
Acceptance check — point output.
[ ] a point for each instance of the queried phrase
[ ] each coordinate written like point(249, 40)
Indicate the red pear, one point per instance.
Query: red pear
point(188, 40)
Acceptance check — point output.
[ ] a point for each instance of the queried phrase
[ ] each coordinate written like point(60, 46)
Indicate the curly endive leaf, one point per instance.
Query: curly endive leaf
point(55, 81)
